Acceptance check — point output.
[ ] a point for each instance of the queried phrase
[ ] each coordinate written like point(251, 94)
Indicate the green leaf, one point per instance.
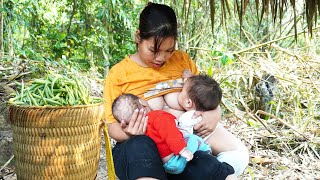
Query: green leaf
point(3, 10)
point(227, 58)
point(100, 13)
point(251, 123)
point(210, 71)
point(250, 172)
point(224, 59)
point(62, 36)
point(216, 53)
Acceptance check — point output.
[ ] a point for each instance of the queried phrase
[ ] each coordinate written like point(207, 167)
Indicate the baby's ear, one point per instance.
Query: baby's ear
point(189, 103)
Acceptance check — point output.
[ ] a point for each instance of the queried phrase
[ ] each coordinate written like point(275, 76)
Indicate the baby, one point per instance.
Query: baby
point(175, 150)
point(199, 93)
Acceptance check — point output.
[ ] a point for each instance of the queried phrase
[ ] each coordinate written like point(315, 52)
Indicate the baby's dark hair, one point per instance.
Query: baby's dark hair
point(124, 105)
point(205, 92)
point(158, 21)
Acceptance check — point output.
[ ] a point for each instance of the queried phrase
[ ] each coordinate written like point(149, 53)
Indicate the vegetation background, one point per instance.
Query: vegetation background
point(265, 57)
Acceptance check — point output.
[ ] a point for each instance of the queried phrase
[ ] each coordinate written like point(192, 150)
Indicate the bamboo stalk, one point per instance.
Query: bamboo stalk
point(6, 164)
point(300, 59)
point(268, 42)
point(253, 47)
point(292, 54)
point(253, 116)
point(282, 122)
point(1, 31)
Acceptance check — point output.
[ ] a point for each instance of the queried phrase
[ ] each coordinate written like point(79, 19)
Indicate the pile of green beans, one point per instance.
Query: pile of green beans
point(53, 90)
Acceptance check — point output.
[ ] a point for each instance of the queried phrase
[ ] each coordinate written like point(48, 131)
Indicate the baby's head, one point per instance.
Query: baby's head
point(124, 106)
point(201, 93)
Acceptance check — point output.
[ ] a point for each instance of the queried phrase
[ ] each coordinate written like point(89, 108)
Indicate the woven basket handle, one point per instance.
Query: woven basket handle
point(110, 165)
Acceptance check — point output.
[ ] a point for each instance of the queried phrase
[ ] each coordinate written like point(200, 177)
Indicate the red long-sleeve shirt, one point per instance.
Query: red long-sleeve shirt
point(162, 129)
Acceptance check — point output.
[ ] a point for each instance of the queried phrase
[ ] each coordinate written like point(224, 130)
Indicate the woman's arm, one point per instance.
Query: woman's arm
point(221, 140)
point(116, 132)
point(209, 122)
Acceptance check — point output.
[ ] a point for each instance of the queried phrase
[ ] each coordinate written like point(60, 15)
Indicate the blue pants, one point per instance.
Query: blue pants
point(139, 157)
point(176, 164)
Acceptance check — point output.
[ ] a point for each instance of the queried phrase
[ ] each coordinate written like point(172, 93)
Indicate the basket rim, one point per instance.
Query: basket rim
point(55, 107)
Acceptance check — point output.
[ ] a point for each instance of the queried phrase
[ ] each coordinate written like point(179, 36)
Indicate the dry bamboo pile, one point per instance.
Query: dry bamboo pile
point(282, 133)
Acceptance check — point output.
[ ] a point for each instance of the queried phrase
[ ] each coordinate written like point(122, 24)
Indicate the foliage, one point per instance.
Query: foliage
point(82, 33)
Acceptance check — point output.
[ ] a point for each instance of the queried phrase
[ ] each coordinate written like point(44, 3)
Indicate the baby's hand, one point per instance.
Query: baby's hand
point(186, 154)
point(186, 73)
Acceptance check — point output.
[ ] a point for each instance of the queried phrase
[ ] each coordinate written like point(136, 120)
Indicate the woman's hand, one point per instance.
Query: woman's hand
point(186, 73)
point(138, 123)
point(209, 122)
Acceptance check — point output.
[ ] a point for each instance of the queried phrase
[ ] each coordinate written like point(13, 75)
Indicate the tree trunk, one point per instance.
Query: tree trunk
point(72, 15)
point(10, 46)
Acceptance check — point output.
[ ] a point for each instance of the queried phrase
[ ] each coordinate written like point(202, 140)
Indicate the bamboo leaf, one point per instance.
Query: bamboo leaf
point(318, 6)
point(262, 11)
point(257, 8)
point(275, 11)
point(239, 7)
point(295, 19)
point(212, 14)
point(228, 8)
point(283, 2)
point(223, 11)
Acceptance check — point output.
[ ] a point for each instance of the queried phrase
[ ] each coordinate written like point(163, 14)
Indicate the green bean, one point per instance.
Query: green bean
point(41, 95)
point(53, 82)
point(19, 103)
point(22, 89)
point(39, 81)
point(50, 94)
point(32, 99)
point(53, 102)
point(53, 90)
point(45, 92)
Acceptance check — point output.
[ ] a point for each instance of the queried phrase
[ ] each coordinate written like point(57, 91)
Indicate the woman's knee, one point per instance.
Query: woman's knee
point(238, 159)
point(222, 140)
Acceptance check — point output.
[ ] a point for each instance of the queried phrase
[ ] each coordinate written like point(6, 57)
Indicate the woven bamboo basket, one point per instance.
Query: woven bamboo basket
point(56, 142)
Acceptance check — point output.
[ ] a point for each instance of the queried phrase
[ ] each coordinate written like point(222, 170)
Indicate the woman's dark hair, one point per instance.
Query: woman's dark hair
point(205, 92)
point(158, 21)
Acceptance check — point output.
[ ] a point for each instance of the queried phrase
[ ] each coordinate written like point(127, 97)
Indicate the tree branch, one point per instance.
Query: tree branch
point(72, 15)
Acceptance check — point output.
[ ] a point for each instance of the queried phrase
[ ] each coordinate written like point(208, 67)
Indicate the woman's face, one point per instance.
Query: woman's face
point(147, 55)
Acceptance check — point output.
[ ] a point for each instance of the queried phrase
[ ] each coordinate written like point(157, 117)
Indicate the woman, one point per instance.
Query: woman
point(154, 74)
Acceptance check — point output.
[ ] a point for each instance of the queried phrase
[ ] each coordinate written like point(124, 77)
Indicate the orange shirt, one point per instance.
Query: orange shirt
point(129, 77)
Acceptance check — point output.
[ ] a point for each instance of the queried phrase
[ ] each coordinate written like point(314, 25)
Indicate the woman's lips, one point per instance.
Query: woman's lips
point(158, 65)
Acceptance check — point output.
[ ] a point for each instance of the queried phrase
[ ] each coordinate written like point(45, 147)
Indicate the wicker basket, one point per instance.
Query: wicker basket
point(56, 142)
